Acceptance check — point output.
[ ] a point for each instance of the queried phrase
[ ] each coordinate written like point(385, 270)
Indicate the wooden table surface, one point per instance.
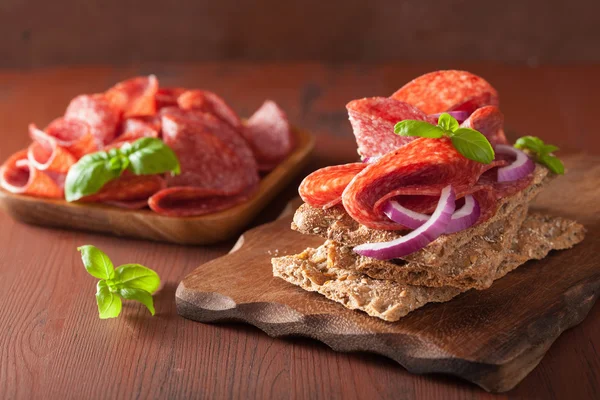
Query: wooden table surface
point(53, 345)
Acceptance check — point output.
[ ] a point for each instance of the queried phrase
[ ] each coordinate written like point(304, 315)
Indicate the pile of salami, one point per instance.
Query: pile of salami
point(413, 171)
point(221, 156)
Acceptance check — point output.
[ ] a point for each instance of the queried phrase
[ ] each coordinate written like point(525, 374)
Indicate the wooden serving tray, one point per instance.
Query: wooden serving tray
point(145, 224)
point(492, 338)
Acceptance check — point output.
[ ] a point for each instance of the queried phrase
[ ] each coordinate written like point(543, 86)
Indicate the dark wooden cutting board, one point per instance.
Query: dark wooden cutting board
point(492, 338)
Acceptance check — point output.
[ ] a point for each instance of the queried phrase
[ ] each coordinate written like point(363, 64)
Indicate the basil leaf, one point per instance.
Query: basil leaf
point(90, 173)
point(149, 156)
point(137, 276)
point(109, 303)
point(96, 262)
point(448, 123)
point(139, 295)
point(473, 145)
point(530, 142)
point(553, 163)
point(410, 127)
point(548, 148)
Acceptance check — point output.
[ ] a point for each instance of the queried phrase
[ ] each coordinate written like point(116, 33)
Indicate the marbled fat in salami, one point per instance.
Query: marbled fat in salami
point(209, 102)
point(269, 134)
point(373, 121)
point(101, 116)
point(17, 175)
point(450, 90)
point(128, 188)
point(133, 129)
point(488, 120)
point(324, 187)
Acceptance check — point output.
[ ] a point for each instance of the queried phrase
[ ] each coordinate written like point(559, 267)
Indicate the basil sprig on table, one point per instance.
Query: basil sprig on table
point(542, 153)
point(468, 142)
point(146, 156)
point(128, 281)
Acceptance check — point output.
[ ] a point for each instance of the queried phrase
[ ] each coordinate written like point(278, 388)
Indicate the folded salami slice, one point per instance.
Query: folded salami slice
point(128, 188)
point(269, 134)
point(72, 134)
point(135, 97)
point(488, 120)
point(207, 161)
point(209, 102)
point(17, 175)
point(193, 201)
point(133, 129)
point(167, 97)
point(324, 187)
point(373, 121)
point(99, 113)
point(400, 175)
point(46, 154)
point(450, 90)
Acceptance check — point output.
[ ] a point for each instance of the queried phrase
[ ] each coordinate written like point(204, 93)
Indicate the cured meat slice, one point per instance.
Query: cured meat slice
point(193, 201)
point(167, 97)
point(135, 97)
point(45, 153)
point(450, 90)
point(17, 175)
point(269, 134)
point(211, 124)
point(101, 116)
point(373, 121)
point(324, 187)
point(206, 161)
point(128, 188)
point(400, 174)
point(488, 120)
point(73, 135)
point(209, 102)
point(133, 129)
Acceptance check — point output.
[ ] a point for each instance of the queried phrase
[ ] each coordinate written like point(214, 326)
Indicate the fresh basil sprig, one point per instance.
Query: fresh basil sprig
point(146, 156)
point(542, 153)
point(129, 281)
point(468, 142)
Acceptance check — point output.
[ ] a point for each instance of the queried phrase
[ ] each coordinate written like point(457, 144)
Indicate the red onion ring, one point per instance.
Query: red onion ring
point(459, 116)
point(417, 239)
point(518, 169)
point(462, 218)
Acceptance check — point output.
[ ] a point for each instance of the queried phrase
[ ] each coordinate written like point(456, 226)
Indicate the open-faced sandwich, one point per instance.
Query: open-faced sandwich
point(438, 205)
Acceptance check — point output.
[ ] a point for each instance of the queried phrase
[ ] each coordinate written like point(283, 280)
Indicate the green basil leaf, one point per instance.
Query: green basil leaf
point(109, 303)
point(149, 156)
point(90, 173)
point(137, 276)
point(532, 143)
point(139, 295)
point(96, 262)
point(473, 145)
point(549, 148)
point(448, 123)
point(410, 127)
point(553, 163)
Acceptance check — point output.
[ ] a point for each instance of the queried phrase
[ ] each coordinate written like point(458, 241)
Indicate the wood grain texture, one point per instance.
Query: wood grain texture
point(52, 345)
point(119, 32)
point(145, 224)
point(492, 338)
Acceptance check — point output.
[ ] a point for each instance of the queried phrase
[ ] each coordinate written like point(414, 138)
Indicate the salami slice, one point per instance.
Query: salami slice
point(450, 90)
point(193, 201)
point(96, 111)
point(73, 135)
point(269, 134)
point(209, 102)
point(400, 175)
point(17, 175)
point(373, 121)
point(324, 187)
point(133, 129)
point(206, 161)
point(128, 188)
point(488, 120)
point(135, 97)
point(167, 97)
point(45, 153)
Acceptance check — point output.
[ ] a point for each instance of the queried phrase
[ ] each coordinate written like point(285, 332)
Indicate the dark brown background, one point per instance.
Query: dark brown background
point(41, 33)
